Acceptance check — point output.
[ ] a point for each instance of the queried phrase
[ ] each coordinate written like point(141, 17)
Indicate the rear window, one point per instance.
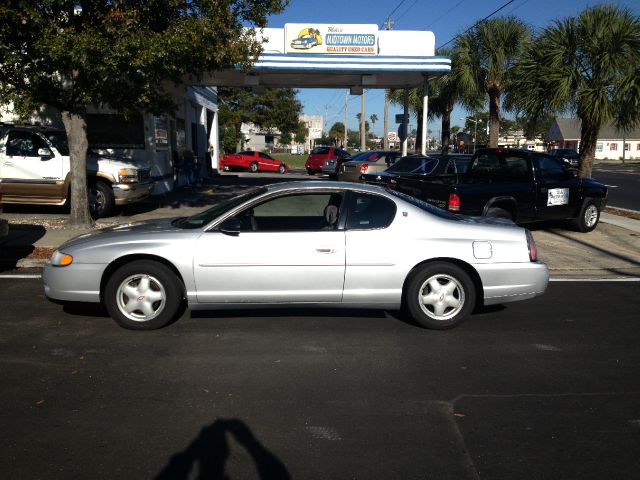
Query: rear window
point(414, 165)
point(320, 150)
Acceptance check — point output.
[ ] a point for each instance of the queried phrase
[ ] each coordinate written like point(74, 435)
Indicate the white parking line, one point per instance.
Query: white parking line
point(17, 275)
point(621, 279)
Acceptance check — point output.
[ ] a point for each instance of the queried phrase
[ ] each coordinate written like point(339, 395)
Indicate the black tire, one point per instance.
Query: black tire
point(496, 212)
point(102, 201)
point(163, 284)
point(226, 168)
point(253, 167)
point(443, 309)
point(588, 218)
point(282, 168)
point(310, 172)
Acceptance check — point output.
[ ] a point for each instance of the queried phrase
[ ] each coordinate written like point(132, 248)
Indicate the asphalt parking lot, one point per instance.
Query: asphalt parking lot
point(545, 388)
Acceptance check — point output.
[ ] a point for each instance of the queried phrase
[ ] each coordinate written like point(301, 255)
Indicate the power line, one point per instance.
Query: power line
point(482, 20)
point(388, 19)
point(405, 12)
point(446, 13)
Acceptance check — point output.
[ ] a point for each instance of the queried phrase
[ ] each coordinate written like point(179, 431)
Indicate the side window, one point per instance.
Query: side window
point(300, 212)
point(367, 211)
point(551, 168)
point(23, 144)
point(264, 155)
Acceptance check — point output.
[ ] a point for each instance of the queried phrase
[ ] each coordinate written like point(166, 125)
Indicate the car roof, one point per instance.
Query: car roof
point(323, 185)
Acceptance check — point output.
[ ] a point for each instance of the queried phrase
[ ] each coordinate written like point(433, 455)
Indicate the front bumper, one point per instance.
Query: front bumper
point(76, 283)
point(510, 282)
point(126, 193)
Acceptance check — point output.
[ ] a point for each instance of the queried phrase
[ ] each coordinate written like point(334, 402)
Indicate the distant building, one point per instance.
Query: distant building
point(315, 124)
point(565, 133)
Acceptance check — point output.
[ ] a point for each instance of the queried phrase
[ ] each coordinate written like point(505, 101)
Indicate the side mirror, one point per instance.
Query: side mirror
point(46, 153)
point(231, 227)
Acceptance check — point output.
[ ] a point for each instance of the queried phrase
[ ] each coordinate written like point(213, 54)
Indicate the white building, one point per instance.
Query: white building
point(565, 133)
point(315, 124)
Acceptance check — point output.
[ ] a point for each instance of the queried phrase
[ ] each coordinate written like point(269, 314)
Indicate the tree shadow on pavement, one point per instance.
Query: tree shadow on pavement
point(19, 244)
point(210, 451)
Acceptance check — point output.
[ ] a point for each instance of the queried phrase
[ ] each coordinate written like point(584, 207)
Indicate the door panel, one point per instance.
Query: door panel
point(270, 267)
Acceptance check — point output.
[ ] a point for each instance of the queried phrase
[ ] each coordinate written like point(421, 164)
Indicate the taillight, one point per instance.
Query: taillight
point(364, 168)
point(531, 245)
point(454, 202)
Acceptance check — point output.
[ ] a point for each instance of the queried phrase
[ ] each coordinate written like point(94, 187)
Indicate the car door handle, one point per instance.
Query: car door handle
point(325, 250)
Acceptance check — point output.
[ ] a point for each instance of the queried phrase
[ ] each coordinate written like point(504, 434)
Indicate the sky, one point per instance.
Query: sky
point(445, 19)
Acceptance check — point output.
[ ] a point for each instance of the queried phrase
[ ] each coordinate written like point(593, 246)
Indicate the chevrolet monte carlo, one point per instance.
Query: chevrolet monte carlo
point(311, 244)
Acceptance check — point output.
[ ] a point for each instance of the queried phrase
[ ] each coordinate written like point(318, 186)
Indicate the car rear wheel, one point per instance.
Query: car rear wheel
point(497, 212)
point(311, 172)
point(253, 167)
point(281, 168)
point(440, 296)
point(143, 295)
point(101, 199)
point(588, 217)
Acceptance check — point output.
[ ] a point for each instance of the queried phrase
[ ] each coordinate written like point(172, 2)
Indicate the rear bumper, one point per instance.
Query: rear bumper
point(510, 282)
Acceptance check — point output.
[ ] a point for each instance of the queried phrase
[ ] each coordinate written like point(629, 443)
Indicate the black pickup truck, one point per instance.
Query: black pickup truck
point(524, 186)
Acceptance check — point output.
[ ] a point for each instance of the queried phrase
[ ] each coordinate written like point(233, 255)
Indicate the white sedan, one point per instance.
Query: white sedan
point(314, 244)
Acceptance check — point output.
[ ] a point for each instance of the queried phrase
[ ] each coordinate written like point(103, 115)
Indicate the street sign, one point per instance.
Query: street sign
point(399, 117)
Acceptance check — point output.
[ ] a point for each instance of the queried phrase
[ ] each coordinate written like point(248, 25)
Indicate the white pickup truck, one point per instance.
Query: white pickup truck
point(35, 169)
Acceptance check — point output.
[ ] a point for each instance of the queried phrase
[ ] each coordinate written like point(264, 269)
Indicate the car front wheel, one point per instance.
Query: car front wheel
point(143, 295)
point(440, 296)
point(281, 169)
point(101, 200)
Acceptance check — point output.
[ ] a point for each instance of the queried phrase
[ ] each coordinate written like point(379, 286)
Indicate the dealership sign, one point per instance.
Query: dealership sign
point(332, 39)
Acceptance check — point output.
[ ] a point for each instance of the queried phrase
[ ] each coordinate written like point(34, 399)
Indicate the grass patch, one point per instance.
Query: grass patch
point(294, 161)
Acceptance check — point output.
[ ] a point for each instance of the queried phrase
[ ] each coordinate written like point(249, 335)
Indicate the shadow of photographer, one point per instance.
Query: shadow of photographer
point(210, 451)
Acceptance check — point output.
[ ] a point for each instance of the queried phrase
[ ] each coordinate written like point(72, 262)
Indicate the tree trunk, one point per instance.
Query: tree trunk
point(494, 117)
point(446, 129)
point(238, 128)
point(75, 125)
point(588, 139)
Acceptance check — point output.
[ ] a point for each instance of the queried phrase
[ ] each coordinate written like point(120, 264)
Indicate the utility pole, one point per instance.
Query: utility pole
point(385, 137)
point(346, 116)
point(363, 133)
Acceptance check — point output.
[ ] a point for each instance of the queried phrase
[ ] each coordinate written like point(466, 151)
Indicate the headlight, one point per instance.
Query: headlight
point(128, 175)
point(59, 259)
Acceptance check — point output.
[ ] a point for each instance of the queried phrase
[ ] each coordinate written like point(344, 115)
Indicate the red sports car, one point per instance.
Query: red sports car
point(252, 161)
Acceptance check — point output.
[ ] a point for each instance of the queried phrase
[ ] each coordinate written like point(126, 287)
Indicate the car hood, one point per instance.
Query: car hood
point(116, 162)
point(119, 231)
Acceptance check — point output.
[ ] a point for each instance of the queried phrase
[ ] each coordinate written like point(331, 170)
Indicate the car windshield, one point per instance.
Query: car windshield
point(360, 157)
point(413, 165)
point(438, 212)
point(203, 218)
point(59, 141)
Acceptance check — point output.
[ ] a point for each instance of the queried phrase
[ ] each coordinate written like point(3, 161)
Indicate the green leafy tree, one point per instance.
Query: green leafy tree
point(301, 133)
point(588, 65)
point(485, 59)
point(271, 109)
point(127, 55)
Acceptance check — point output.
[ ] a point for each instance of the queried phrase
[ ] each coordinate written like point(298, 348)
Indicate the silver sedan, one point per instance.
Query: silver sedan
point(313, 244)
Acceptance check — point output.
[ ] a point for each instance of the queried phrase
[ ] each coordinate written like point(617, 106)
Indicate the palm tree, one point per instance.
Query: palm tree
point(374, 119)
point(444, 93)
point(485, 58)
point(588, 65)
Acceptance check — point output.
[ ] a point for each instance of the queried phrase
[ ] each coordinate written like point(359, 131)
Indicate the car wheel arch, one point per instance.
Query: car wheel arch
point(119, 262)
point(468, 268)
point(508, 204)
